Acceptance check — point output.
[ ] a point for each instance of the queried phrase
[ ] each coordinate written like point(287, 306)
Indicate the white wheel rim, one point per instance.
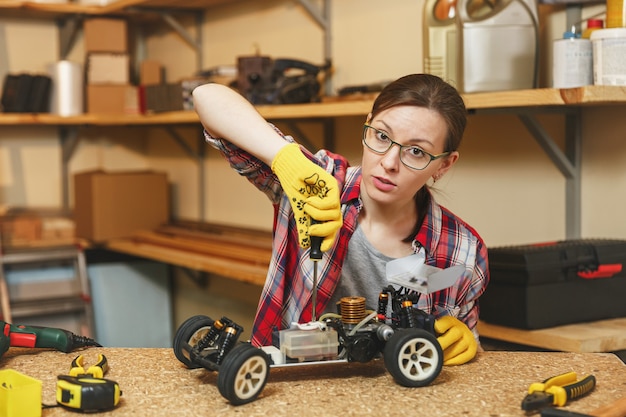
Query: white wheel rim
point(250, 377)
point(195, 338)
point(418, 359)
point(198, 335)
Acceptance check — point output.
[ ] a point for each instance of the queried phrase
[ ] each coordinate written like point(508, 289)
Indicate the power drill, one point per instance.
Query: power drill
point(41, 337)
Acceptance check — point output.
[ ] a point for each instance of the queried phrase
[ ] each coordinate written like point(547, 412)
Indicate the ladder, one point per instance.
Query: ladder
point(67, 296)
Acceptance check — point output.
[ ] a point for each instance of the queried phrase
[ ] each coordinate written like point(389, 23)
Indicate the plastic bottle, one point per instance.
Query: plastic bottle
point(572, 61)
point(592, 24)
point(615, 14)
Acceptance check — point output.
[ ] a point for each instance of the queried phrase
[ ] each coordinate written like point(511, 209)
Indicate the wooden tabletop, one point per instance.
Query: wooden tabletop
point(155, 383)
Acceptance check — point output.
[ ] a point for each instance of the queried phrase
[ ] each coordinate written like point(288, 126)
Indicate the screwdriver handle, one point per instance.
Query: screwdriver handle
point(316, 245)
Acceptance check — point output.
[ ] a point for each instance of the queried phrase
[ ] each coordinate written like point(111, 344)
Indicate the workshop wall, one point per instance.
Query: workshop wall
point(504, 184)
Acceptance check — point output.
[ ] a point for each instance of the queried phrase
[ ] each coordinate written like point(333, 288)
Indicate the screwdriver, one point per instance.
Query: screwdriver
point(315, 255)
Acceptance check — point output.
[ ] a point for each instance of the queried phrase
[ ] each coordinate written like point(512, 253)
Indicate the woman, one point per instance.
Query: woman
point(366, 215)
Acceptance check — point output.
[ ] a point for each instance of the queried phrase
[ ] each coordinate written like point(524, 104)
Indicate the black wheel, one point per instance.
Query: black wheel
point(413, 357)
point(243, 374)
point(188, 335)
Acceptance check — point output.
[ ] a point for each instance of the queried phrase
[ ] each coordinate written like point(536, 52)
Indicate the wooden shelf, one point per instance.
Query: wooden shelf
point(599, 336)
point(236, 253)
point(34, 9)
point(592, 95)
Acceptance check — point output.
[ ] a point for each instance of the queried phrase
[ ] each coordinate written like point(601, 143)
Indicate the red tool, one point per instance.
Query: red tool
point(40, 337)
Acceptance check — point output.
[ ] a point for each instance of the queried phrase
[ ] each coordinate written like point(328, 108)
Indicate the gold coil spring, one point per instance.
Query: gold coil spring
point(352, 309)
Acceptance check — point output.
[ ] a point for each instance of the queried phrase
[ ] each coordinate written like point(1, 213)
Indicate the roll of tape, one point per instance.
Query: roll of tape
point(67, 88)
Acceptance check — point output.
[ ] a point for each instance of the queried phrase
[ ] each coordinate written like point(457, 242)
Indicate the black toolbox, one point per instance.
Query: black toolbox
point(551, 284)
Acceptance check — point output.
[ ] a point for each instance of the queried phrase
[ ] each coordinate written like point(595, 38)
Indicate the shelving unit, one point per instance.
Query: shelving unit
point(512, 101)
point(525, 104)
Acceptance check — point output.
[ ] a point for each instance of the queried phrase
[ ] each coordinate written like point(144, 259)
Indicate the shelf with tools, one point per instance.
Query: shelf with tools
point(38, 9)
point(512, 101)
point(525, 104)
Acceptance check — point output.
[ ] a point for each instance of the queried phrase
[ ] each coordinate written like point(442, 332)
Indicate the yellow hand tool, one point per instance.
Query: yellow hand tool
point(557, 391)
point(88, 390)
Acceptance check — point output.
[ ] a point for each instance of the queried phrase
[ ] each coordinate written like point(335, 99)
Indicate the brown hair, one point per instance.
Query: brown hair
point(431, 92)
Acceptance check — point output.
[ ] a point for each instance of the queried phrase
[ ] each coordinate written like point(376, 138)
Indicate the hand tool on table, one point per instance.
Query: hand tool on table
point(88, 390)
point(557, 390)
point(615, 409)
point(315, 255)
point(14, 335)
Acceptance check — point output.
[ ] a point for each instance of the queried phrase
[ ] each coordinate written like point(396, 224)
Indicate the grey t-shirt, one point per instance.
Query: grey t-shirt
point(362, 274)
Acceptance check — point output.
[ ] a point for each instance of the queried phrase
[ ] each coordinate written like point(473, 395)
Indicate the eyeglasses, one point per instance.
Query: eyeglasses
point(411, 156)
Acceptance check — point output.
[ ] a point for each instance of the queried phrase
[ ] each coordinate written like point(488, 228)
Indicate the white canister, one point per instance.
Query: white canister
point(572, 63)
point(609, 56)
point(66, 97)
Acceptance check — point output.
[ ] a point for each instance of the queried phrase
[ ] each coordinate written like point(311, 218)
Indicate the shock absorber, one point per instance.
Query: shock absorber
point(212, 335)
point(231, 334)
point(383, 302)
point(407, 315)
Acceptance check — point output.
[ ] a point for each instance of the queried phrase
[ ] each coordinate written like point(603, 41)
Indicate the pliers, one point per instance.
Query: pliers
point(87, 390)
point(557, 391)
point(98, 370)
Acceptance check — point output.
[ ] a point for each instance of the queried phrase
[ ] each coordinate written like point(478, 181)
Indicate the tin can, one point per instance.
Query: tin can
point(572, 64)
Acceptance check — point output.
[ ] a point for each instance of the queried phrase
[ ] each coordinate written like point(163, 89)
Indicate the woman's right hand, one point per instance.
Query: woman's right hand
point(313, 194)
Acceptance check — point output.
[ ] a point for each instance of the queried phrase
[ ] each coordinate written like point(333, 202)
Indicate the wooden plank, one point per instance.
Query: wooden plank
point(597, 94)
point(515, 98)
point(218, 232)
point(37, 9)
point(253, 274)
point(226, 250)
point(600, 336)
point(590, 95)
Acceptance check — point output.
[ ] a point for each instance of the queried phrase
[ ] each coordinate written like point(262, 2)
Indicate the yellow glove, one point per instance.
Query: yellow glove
point(313, 193)
point(456, 339)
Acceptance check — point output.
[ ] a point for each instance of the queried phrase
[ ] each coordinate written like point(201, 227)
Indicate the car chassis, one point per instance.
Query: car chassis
point(403, 334)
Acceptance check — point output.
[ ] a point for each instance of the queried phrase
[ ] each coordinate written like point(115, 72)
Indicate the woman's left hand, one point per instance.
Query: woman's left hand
point(456, 339)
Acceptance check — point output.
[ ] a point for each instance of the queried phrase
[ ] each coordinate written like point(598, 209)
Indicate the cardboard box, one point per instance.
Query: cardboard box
point(105, 35)
point(151, 73)
point(112, 99)
point(163, 97)
point(110, 205)
point(108, 67)
point(20, 230)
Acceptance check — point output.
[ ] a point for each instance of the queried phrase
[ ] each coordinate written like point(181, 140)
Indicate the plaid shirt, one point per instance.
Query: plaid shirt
point(286, 296)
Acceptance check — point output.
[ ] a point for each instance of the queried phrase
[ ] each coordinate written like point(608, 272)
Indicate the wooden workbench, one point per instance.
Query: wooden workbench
point(154, 383)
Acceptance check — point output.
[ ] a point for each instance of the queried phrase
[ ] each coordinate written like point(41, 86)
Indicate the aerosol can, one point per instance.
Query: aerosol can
point(498, 45)
point(440, 39)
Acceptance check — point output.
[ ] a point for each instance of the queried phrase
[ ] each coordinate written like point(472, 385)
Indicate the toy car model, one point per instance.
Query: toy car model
point(402, 334)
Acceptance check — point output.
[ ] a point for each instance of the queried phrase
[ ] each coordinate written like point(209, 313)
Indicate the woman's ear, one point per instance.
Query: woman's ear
point(369, 118)
point(446, 164)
